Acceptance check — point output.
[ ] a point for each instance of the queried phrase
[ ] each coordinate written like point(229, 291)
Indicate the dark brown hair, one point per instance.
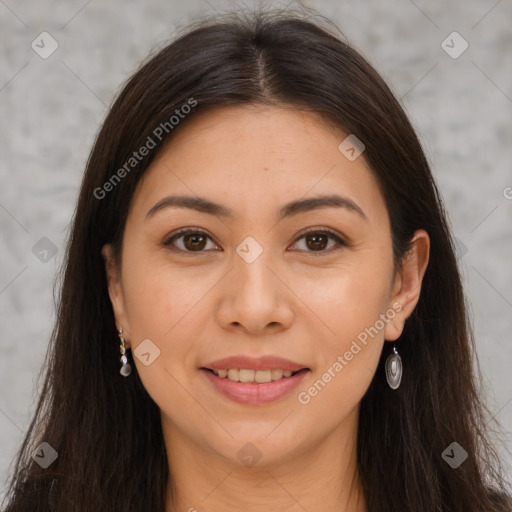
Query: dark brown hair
point(106, 429)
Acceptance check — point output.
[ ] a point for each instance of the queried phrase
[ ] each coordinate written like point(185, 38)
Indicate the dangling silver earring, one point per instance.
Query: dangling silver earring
point(126, 368)
point(394, 369)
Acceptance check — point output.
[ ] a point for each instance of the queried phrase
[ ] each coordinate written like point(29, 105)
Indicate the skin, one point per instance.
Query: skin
point(303, 302)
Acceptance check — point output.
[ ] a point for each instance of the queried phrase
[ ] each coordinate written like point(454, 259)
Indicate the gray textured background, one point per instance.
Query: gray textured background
point(52, 108)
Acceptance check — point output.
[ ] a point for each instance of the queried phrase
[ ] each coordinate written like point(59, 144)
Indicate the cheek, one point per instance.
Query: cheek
point(351, 308)
point(160, 296)
point(347, 357)
point(352, 299)
point(168, 305)
point(162, 305)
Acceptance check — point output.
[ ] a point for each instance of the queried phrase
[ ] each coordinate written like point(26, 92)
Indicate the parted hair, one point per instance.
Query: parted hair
point(106, 429)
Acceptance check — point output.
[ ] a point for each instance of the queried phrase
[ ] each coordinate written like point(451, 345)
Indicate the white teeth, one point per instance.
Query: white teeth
point(276, 373)
point(233, 375)
point(259, 376)
point(246, 375)
point(262, 376)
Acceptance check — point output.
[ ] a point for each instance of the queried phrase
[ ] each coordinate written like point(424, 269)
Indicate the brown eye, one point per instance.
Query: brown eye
point(196, 240)
point(192, 240)
point(318, 240)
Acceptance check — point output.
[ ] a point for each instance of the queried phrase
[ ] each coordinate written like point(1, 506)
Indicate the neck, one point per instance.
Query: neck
point(323, 477)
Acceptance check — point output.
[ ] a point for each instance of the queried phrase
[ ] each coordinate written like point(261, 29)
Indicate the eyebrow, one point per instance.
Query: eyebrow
point(204, 205)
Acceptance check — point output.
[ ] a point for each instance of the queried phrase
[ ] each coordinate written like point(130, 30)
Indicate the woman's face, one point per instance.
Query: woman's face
point(252, 284)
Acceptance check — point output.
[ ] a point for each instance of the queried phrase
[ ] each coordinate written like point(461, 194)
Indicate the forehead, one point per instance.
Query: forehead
point(251, 157)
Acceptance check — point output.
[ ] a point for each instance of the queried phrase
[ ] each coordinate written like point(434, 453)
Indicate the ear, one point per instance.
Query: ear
point(407, 284)
point(115, 291)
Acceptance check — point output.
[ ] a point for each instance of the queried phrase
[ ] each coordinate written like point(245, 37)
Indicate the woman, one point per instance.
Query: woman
point(261, 305)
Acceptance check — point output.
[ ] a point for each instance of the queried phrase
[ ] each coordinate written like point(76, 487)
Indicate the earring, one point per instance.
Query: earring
point(126, 369)
point(394, 369)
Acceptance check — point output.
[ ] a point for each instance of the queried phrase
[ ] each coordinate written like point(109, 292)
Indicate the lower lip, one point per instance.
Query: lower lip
point(253, 393)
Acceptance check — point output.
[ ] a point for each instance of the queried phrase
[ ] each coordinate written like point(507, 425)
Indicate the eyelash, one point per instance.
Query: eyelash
point(320, 231)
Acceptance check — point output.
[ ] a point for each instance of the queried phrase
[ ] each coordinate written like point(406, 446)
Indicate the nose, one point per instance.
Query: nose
point(255, 298)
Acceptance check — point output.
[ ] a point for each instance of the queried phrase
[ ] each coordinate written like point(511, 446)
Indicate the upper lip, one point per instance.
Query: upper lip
point(268, 362)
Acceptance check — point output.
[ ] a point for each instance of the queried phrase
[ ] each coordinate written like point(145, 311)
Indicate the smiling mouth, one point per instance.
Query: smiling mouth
point(253, 376)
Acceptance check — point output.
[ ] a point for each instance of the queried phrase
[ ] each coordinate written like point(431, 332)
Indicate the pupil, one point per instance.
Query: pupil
point(194, 239)
point(315, 244)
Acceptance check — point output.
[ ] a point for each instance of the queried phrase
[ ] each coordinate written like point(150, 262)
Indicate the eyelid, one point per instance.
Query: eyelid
point(340, 239)
point(185, 231)
point(320, 229)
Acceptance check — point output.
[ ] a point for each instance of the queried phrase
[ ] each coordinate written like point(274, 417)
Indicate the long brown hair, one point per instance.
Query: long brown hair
point(106, 429)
